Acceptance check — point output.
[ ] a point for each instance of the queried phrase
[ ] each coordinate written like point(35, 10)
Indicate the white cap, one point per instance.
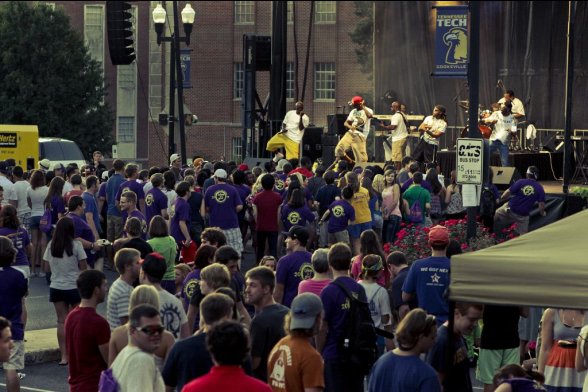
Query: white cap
point(105, 175)
point(173, 157)
point(220, 173)
point(45, 164)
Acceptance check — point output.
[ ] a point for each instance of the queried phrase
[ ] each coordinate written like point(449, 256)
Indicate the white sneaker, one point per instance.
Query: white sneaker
point(41, 274)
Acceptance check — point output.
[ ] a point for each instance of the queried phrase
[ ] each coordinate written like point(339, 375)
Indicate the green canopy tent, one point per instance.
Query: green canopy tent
point(546, 267)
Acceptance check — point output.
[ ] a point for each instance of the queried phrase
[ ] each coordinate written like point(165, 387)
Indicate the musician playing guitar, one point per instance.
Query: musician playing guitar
point(358, 128)
point(432, 128)
point(504, 125)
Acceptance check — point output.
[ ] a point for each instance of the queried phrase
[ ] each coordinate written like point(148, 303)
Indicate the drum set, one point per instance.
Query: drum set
point(487, 129)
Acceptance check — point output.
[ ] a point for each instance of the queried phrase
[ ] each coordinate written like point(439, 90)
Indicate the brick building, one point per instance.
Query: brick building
point(139, 92)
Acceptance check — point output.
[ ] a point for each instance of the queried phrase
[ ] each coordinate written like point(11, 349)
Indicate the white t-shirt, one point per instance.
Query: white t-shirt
point(171, 199)
point(172, 312)
point(360, 120)
point(379, 302)
point(400, 132)
point(37, 197)
point(66, 188)
point(135, 370)
point(117, 305)
point(503, 126)
point(292, 122)
point(147, 187)
point(436, 124)
point(65, 270)
point(517, 105)
point(9, 193)
point(20, 189)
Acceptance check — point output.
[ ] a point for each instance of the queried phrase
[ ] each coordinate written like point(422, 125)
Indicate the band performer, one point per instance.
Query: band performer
point(358, 128)
point(518, 110)
point(290, 136)
point(504, 125)
point(395, 143)
point(432, 128)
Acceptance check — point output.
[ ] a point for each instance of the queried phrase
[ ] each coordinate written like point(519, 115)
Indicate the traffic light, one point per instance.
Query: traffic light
point(120, 33)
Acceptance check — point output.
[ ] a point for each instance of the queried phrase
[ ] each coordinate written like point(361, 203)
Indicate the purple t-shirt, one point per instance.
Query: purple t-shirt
point(13, 287)
point(137, 214)
point(155, 201)
point(295, 216)
point(20, 239)
point(341, 213)
point(131, 185)
point(57, 207)
point(180, 212)
point(222, 200)
point(83, 231)
point(525, 193)
point(291, 270)
point(336, 305)
point(189, 286)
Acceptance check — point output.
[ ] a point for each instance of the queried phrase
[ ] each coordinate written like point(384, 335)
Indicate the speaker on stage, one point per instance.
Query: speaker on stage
point(312, 143)
point(335, 123)
point(504, 175)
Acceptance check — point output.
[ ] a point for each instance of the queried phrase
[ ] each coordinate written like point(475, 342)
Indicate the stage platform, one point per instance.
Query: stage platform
point(550, 164)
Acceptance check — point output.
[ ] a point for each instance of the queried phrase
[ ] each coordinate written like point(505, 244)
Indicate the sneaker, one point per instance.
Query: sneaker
point(41, 274)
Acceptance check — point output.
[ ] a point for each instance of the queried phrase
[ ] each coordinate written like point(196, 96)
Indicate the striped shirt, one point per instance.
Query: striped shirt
point(118, 302)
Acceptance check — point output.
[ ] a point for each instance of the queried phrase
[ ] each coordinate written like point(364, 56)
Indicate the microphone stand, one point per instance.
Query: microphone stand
point(465, 85)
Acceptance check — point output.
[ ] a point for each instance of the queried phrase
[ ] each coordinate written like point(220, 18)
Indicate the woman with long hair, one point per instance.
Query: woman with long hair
point(54, 201)
point(437, 195)
point(164, 244)
point(391, 207)
point(374, 203)
point(66, 259)
point(141, 295)
point(363, 216)
point(36, 195)
point(370, 245)
point(515, 378)
point(454, 200)
point(296, 211)
point(204, 257)
point(401, 369)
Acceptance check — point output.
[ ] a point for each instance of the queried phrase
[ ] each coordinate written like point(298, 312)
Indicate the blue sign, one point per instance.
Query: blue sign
point(451, 42)
point(186, 63)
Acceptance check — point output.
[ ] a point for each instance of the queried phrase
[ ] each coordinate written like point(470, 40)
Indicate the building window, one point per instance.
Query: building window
point(290, 12)
point(126, 130)
point(290, 81)
point(94, 32)
point(238, 77)
point(236, 149)
point(126, 76)
point(324, 81)
point(325, 12)
point(244, 12)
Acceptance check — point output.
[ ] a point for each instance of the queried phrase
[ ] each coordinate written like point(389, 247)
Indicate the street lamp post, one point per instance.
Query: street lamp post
point(175, 67)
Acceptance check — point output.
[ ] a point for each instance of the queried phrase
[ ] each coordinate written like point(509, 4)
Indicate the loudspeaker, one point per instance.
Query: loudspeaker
point(504, 175)
point(328, 155)
point(120, 33)
point(312, 143)
point(335, 123)
point(263, 53)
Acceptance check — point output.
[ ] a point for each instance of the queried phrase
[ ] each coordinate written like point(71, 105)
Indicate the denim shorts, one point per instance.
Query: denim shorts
point(356, 230)
point(34, 222)
point(70, 297)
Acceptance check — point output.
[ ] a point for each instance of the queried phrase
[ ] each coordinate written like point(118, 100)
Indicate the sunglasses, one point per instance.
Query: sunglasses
point(151, 329)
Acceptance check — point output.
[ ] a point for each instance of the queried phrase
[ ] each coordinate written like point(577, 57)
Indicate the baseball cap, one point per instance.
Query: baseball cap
point(154, 265)
point(220, 173)
point(173, 157)
point(243, 167)
point(45, 164)
point(59, 166)
point(303, 311)
point(356, 99)
point(297, 233)
point(439, 235)
point(105, 175)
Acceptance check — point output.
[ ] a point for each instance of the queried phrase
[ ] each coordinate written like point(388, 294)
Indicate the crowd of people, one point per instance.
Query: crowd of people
point(185, 314)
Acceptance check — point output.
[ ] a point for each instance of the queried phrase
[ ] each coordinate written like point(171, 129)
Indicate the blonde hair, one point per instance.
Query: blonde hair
point(144, 295)
point(216, 275)
point(378, 183)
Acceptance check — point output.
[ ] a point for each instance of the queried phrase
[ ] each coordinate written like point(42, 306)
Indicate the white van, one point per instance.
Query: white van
point(59, 150)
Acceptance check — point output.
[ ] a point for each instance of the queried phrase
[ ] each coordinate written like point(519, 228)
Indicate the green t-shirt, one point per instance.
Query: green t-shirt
point(167, 247)
point(417, 192)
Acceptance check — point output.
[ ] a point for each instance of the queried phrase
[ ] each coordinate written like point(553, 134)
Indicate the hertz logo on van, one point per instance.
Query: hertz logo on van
point(8, 139)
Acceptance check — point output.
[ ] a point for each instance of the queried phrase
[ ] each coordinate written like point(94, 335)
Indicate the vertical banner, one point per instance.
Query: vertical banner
point(451, 42)
point(186, 63)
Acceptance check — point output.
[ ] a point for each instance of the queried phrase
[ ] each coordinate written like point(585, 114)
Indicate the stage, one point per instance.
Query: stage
point(550, 164)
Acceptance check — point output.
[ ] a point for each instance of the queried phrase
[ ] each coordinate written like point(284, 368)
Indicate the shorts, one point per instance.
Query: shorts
point(70, 297)
point(113, 227)
point(398, 150)
point(339, 236)
point(25, 220)
point(234, 239)
point(356, 230)
point(17, 355)
point(490, 361)
point(34, 222)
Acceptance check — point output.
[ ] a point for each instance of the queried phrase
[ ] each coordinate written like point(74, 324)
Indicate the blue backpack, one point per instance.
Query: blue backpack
point(107, 382)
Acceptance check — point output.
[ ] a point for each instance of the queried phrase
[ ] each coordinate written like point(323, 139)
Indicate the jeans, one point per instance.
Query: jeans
point(497, 145)
point(272, 238)
point(391, 227)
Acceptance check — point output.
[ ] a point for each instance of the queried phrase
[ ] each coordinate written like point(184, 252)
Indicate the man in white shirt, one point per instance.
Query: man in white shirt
point(7, 185)
point(432, 128)
point(21, 187)
point(290, 136)
point(358, 129)
point(518, 110)
point(504, 125)
point(395, 143)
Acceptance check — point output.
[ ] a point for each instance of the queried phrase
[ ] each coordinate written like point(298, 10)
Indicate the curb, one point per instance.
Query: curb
point(41, 346)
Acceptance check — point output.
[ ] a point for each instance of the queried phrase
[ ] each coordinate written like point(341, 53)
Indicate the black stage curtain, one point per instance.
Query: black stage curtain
point(523, 43)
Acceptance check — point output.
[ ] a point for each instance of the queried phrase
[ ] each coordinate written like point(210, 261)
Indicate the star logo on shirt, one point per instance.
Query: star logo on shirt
point(435, 278)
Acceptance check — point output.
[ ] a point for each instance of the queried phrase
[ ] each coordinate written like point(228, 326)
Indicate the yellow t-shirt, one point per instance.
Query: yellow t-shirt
point(360, 203)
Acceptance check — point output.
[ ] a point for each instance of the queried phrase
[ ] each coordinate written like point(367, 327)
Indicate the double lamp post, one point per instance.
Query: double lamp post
point(175, 67)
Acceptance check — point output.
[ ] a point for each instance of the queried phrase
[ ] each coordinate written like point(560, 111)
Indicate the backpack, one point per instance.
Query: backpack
point(45, 224)
point(487, 202)
point(357, 343)
point(415, 213)
point(107, 382)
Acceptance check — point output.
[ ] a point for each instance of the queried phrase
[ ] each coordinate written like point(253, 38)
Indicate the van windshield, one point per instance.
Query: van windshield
point(61, 151)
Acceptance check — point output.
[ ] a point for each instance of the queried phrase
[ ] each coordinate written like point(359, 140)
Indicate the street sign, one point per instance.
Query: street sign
point(469, 161)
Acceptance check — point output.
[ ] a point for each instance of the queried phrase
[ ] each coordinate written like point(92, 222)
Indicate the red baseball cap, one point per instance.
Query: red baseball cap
point(356, 99)
point(438, 235)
